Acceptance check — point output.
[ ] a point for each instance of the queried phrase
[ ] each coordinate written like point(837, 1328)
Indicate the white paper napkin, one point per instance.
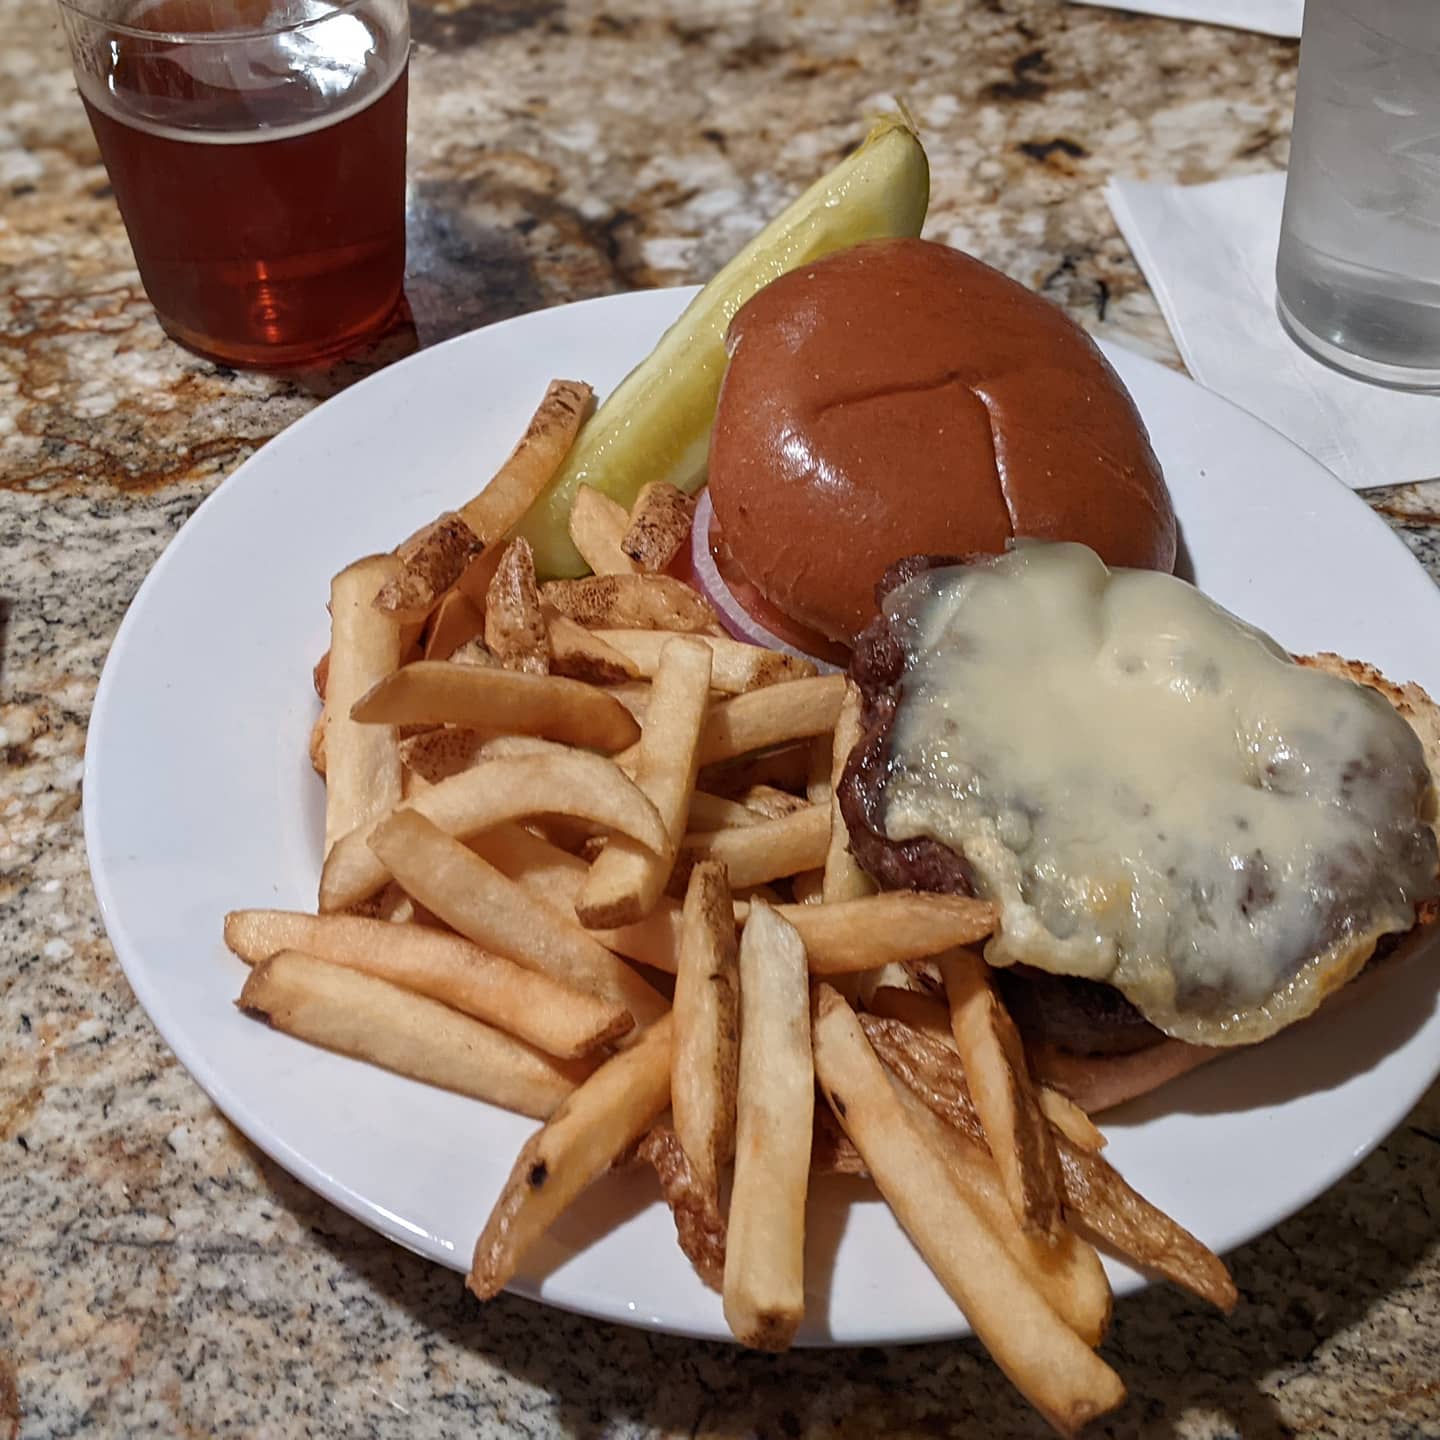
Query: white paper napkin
point(1269, 17)
point(1208, 252)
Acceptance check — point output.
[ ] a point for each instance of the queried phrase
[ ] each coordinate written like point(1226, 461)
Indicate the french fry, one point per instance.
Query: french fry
point(699, 1225)
point(916, 1009)
point(474, 653)
point(794, 711)
point(714, 812)
point(765, 1250)
point(736, 668)
point(658, 525)
point(389, 904)
point(514, 627)
point(634, 695)
point(771, 850)
point(554, 877)
point(1068, 1273)
point(1069, 1119)
point(320, 675)
point(817, 782)
point(474, 582)
point(653, 941)
point(431, 561)
point(457, 549)
point(371, 1019)
point(1098, 1202)
point(783, 767)
point(440, 692)
point(590, 1130)
point(583, 655)
point(563, 782)
point(317, 744)
point(625, 602)
point(760, 719)
point(771, 801)
point(553, 1017)
point(909, 978)
point(921, 1011)
point(844, 879)
point(542, 868)
point(1045, 1360)
point(704, 1064)
point(626, 880)
point(832, 1152)
point(840, 939)
point(534, 460)
point(514, 747)
point(439, 753)
point(597, 526)
point(455, 621)
point(808, 887)
point(362, 764)
point(1016, 1131)
point(475, 899)
point(899, 925)
point(1103, 1206)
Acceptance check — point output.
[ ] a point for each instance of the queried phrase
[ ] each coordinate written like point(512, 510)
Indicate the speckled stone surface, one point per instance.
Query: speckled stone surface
point(157, 1275)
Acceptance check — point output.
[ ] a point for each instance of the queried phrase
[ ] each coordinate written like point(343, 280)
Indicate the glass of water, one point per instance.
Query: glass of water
point(1358, 272)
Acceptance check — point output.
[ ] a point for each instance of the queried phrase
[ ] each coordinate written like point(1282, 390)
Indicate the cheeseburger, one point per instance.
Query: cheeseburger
point(1192, 839)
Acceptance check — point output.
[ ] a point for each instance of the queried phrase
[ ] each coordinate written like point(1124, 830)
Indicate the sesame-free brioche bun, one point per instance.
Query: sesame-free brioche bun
point(901, 397)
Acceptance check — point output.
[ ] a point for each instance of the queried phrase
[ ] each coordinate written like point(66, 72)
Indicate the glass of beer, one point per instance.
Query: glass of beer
point(257, 152)
point(1358, 271)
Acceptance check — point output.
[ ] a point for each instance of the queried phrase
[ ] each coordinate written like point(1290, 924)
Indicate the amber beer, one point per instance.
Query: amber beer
point(260, 171)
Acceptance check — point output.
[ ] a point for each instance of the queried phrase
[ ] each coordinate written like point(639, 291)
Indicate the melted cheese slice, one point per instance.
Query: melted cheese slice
point(1153, 793)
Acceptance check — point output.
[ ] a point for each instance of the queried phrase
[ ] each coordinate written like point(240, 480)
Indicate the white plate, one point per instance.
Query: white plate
point(199, 798)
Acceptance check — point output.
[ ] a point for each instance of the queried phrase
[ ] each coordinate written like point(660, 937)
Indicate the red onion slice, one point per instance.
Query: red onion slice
point(733, 615)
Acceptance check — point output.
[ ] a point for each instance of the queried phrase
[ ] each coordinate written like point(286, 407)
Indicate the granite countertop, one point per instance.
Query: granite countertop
point(157, 1274)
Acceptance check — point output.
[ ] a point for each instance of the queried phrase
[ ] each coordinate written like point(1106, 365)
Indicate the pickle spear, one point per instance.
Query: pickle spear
point(655, 425)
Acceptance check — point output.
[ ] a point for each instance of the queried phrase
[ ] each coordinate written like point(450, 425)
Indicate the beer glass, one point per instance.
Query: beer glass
point(1358, 271)
point(256, 149)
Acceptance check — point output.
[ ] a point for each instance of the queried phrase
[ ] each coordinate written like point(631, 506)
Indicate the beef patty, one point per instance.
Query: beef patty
point(1085, 1017)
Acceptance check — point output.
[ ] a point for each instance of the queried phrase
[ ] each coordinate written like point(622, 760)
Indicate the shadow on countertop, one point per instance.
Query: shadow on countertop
point(5, 607)
point(1302, 1285)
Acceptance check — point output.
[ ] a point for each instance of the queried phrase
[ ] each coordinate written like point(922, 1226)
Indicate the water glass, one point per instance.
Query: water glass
point(1358, 271)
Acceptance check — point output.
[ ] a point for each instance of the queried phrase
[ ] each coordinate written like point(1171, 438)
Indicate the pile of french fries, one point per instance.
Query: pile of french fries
point(551, 809)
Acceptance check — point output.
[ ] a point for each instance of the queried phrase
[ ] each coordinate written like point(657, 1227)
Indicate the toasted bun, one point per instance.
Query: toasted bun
point(1410, 700)
point(1101, 1082)
point(902, 397)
